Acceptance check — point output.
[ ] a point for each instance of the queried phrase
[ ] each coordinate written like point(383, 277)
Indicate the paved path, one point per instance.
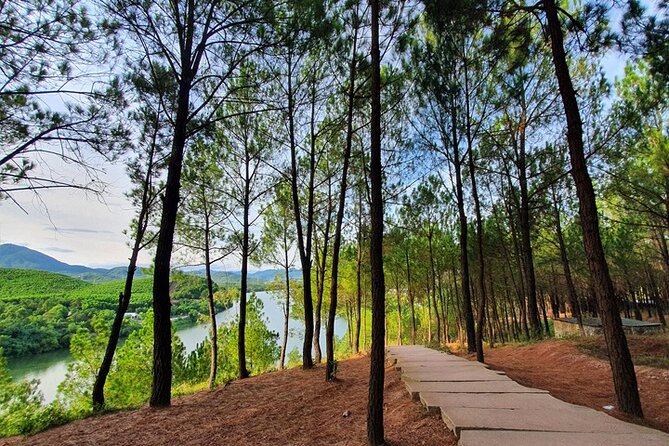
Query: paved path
point(485, 407)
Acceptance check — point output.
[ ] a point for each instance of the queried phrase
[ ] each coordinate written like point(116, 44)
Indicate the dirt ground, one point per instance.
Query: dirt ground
point(294, 407)
point(570, 375)
point(647, 350)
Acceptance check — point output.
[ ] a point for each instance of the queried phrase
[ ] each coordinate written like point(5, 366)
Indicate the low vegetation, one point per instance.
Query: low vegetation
point(41, 311)
point(22, 410)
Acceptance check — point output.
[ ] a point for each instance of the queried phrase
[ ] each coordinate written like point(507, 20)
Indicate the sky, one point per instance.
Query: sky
point(81, 228)
point(71, 225)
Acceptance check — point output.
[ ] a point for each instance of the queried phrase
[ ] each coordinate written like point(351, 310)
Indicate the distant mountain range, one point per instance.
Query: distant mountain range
point(20, 257)
point(262, 276)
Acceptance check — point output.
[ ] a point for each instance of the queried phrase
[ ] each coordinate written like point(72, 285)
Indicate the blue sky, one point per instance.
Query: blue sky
point(81, 228)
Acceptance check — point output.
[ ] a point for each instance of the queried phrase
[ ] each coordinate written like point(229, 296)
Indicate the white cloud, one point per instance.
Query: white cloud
point(80, 227)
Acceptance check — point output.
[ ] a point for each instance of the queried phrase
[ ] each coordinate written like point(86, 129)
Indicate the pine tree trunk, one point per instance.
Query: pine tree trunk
point(571, 289)
point(624, 378)
point(375, 434)
point(161, 386)
point(526, 244)
point(433, 285)
point(398, 295)
point(243, 288)
point(411, 299)
point(304, 248)
point(212, 309)
point(464, 256)
point(124, 297)
point(286, 312)
point(321, 281)
point(336, 244)
point(358, 281)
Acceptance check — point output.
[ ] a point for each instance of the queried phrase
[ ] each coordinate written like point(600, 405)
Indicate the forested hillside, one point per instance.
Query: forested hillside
point(40, 311)
point(18, 283)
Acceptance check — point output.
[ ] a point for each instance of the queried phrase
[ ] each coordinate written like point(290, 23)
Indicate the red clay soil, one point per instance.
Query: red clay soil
point(568, 374)
point(293, 407)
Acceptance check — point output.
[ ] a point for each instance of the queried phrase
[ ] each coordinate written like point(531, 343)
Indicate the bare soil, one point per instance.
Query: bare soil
point(571, 375)
point(293, 407)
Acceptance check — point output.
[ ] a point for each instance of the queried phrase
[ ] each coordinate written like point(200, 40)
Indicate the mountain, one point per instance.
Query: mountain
point(268, 275)
point(233, 277)
point(20, 257)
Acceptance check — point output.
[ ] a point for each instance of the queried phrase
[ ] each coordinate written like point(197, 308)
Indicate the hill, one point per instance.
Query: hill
point(268, 275)
point(20, 283)
point(257, 278)
point(293, 406)
point(103, 295)
point(20, 257)
point(40, 310)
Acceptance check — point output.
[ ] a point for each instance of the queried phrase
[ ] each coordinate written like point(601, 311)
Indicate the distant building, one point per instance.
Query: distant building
point(133, 316)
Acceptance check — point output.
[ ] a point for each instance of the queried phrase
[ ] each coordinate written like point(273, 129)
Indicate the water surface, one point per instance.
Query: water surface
point(50, 368)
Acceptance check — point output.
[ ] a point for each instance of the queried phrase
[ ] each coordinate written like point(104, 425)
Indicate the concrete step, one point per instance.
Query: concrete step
point(566, 419)
point(485, 407)
point(454, 375)
point(435, 402)
point(524, 438)
point(415, 388)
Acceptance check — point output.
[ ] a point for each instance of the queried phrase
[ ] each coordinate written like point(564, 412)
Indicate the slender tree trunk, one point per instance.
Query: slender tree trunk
point(433, 284)
point(161, 386)
point(411, 298)
point(444, 308)
point(349, 322)
point(243, 288)
point(571, 289)
point(123, 302)
point(624, 378)
point(336, 244)
point(303, 247)
point(542, 303)
point(458, 303)
point(364, 321)
point(124, 297)
point(429, 315)
point(286, 308)
point(657, 296)
point(321, 282)
point(212, 308)
point(358, 281)
point(519, 285)
point(464, 256)
point(375, 435)
point(525, 237)
point(480, 323)
point(399, 309)
point(635, 304)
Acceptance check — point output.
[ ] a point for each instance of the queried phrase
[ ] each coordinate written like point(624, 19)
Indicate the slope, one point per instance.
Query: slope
point(295, 407)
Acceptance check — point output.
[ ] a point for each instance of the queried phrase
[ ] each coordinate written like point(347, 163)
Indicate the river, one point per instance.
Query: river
point(50, 368)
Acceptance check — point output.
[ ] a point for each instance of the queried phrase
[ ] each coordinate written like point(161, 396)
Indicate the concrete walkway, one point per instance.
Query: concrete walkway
point(485, 407)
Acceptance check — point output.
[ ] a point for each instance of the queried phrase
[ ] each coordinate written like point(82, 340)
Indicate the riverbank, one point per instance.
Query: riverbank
point(50, 368)
point(293, 406)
